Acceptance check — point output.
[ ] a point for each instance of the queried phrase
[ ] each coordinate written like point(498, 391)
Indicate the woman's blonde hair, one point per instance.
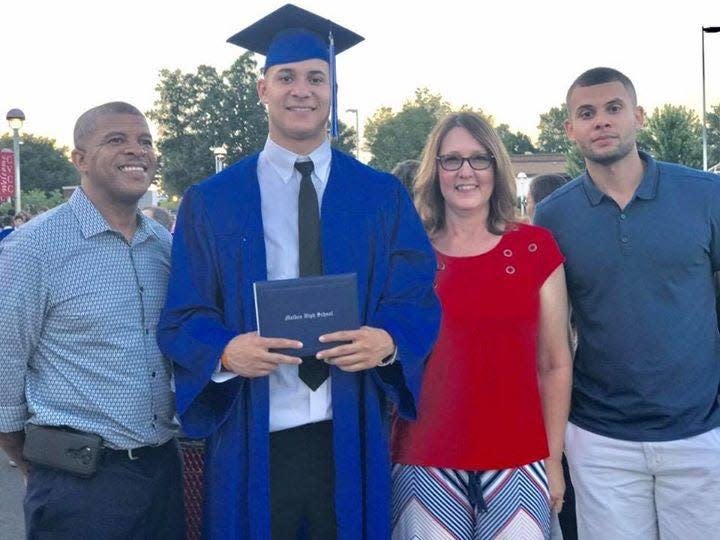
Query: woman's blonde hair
point(428, 197)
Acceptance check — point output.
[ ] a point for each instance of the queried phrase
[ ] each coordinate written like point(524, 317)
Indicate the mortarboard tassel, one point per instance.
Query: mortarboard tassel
point(334, 131)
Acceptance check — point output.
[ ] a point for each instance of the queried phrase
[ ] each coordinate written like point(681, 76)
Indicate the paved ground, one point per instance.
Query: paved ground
point(12, 490)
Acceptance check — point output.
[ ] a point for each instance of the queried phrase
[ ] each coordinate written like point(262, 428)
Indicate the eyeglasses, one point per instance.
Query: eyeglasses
point(478, 162)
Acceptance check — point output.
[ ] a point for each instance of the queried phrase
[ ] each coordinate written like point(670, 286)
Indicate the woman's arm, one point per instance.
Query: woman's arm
point(555, 374)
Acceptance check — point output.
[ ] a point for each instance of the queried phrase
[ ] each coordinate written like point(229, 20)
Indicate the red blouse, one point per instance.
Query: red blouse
point(480, 403)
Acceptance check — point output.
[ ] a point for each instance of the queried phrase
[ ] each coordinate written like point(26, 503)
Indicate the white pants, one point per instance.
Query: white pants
point(645, 490)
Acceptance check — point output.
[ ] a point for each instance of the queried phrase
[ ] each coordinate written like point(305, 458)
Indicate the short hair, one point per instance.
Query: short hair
point(162, 216)
point(601, 75)
point(428, 197)
point(85, 124)
point(405, 171)
point(543, 185)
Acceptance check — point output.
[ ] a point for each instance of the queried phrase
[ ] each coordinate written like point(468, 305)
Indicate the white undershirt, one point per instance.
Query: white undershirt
point(292, 403)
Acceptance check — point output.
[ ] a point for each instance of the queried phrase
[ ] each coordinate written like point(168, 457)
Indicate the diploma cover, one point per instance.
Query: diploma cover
point(306, 308)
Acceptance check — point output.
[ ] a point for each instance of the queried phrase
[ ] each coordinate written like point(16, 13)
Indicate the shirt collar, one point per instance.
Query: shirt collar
point(648, 187)
point(93, 223)
point(146, 228)
point(646, 190)
point(283, 160)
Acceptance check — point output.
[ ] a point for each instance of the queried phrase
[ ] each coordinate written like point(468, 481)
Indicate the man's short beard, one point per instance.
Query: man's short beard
point(613, 157)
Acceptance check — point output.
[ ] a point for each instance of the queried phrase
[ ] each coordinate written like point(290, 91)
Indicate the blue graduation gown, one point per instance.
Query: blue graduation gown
point(370, 227)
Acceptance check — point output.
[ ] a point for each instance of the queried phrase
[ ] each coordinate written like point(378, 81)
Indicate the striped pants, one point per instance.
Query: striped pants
point(450, 504)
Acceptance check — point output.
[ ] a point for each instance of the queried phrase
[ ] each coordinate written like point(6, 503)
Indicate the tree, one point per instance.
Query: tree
point(394, 137)
point(552, 137)
point(712, 127)
point(44, 166)
point(347, 140)
point(198, 111)
point(575, 162)
point(673, 133)
point(34, 201)
point(515, 143)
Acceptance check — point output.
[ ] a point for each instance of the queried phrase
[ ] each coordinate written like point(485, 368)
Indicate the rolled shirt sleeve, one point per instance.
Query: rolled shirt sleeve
point(22, 305)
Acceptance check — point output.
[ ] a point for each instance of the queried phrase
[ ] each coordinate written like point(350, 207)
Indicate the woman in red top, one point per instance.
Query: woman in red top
point(483, 458)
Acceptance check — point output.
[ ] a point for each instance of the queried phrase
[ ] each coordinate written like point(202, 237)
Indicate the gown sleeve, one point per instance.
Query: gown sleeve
point(408, 308)
point(191, 331)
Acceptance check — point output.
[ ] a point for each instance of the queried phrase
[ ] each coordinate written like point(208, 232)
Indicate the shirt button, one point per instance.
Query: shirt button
point(624, 239)
point(142, 288)
point(153, 374)
point(622, 216)
point(154, 417)
point(147, 331)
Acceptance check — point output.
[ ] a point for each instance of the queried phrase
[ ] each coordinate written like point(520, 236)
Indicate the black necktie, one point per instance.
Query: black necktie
point(312, 371)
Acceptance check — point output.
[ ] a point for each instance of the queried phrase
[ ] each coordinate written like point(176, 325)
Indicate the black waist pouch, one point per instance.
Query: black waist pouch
point(63, 449)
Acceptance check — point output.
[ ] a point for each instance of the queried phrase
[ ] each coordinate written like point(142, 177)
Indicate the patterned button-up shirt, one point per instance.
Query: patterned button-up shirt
point(78, 310)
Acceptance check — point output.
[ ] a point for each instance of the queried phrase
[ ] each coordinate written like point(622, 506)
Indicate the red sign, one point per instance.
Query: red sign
point(7, 174)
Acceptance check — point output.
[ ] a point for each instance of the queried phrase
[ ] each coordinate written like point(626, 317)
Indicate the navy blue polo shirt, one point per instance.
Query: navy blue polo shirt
point(640, 280)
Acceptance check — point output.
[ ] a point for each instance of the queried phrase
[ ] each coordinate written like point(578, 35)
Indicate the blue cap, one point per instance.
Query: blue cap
point(292, 34)
point(296, 45)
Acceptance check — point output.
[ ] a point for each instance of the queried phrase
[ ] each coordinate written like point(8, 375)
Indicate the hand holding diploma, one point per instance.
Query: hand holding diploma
point(368, 347)
point(249, 354)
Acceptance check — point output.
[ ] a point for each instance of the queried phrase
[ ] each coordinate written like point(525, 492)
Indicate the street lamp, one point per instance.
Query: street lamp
point(523, 186)
point(220, 153)
point(357, 131)
point(15, 118)
point(708, 30)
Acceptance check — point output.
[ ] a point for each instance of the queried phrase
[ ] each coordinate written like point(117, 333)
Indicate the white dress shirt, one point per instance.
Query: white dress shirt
point(292, 403)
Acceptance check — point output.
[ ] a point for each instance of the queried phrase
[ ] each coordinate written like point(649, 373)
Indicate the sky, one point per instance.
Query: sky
point(513, 59)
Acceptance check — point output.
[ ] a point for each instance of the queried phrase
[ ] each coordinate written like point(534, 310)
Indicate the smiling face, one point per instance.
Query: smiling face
point(297, 96)
point(465, 190)
point(116, 160)
point(603, 121)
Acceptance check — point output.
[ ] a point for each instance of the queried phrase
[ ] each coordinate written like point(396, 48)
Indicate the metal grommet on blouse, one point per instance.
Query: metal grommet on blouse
point(508, 252)
point(532, 248)
point(510, 270)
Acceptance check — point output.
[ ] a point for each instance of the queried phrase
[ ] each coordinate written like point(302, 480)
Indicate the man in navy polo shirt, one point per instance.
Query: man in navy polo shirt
point(642, 242)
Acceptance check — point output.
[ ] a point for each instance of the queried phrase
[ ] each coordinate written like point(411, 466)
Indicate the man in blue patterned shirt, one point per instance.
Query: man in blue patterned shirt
point(87, 283)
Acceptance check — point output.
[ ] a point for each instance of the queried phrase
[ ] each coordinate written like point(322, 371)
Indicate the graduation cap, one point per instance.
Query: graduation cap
point(292, 34)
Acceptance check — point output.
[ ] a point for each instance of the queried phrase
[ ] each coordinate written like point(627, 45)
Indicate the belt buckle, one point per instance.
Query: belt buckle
point(131, 455)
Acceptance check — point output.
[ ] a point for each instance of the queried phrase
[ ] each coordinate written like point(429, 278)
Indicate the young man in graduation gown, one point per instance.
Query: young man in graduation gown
point(297, 447)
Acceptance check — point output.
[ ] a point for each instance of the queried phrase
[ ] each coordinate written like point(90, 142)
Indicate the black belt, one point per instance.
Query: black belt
point(133, 454)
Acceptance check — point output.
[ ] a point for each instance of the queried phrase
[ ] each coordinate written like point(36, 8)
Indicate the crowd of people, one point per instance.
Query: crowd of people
point(457, 407)
point(14, 220)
